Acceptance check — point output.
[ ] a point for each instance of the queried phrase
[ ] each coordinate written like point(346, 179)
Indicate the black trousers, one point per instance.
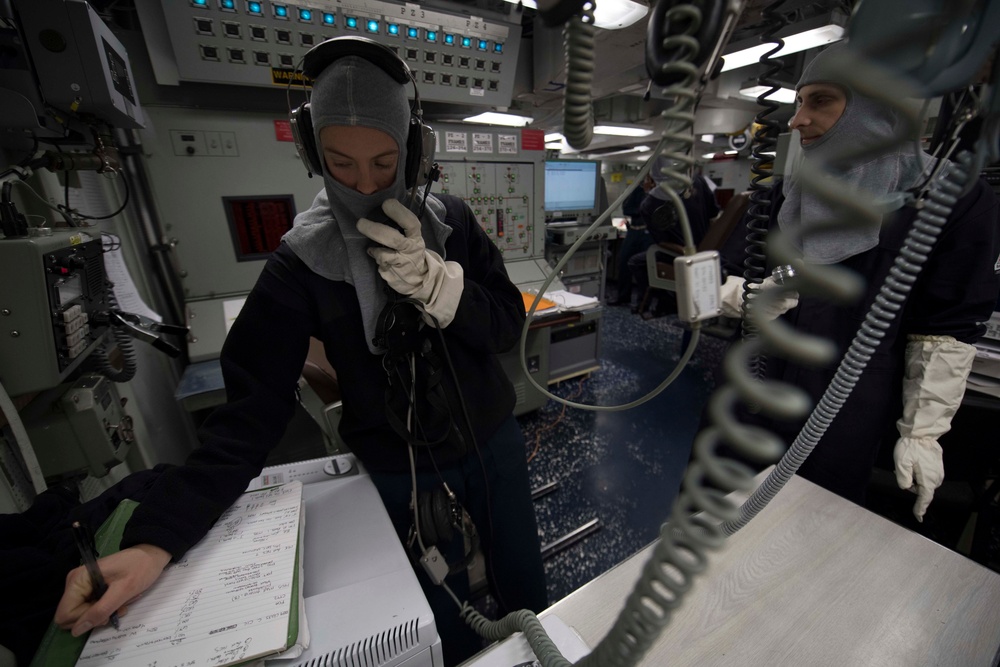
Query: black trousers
point(497, 495)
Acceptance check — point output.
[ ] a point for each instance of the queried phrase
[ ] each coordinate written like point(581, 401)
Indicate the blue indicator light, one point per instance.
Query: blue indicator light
point(466, 42)
point(392, 29)
point(280, 10)
point(305, 15)
point(373, 26)
point(431, 36)
point(254, 7)
point(449, 38)
point(483, 44)
point(328, 18)
point(229, 4)
point(498, 48)
point(412, 32)
point(352, 23)
point(200, 3)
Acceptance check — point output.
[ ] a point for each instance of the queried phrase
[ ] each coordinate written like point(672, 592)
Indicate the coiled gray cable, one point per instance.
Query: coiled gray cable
point(578, 110)
point(125, 344)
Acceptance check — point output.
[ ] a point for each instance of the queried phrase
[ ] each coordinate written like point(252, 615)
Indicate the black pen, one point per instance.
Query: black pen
point(85, 543)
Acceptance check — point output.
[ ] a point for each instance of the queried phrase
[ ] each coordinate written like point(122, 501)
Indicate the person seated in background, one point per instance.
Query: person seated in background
point(700, 205)
point(337, 276)
point(636, 240)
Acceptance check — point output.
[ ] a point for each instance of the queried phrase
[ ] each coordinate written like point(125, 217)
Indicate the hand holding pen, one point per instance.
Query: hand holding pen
point(88, 552)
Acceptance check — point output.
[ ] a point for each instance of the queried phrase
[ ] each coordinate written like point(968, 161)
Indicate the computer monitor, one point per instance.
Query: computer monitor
point(571, 188)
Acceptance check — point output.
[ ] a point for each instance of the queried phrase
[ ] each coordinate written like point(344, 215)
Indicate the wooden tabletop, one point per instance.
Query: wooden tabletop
point(815, 580)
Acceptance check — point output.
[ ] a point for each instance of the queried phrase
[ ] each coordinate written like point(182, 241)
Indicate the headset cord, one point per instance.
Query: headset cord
point(578, 110)
point(763, 151)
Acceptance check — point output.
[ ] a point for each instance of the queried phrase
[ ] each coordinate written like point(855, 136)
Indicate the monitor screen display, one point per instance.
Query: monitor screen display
point(571, 186)
point(258, 223)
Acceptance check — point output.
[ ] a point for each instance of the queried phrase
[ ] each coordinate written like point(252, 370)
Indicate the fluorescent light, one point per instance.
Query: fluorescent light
point(494, 118)
point(708, 138)
point(783, 95)
point(708, 156)
point(793, 44)
point(609, 14)
point(619, 131)
point(732, 152)
point(615, 14)
point(554, 136)
point(633, 149)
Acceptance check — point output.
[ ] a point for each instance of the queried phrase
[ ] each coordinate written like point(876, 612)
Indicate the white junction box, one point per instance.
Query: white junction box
point(698, 281)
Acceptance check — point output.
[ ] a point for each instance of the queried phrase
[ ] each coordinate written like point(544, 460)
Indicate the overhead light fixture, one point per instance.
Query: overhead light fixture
point(708, 138)
point(623, 151)
point(622, 131)
point(732, 153)
point(807, 35)
point(495, 118)
point(609, 14)
point(753, 91)
point(708, 156)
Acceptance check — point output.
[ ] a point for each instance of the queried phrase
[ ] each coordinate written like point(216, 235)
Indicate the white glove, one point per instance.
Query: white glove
point(412, 270)
point(933, 385)
point(731, 299)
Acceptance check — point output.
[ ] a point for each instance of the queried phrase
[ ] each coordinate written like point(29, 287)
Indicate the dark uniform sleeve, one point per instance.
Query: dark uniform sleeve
point(957, 289)
point(261, 363)
point(490, 315)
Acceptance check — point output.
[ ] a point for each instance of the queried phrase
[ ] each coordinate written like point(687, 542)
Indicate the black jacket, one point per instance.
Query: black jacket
point(263, 357)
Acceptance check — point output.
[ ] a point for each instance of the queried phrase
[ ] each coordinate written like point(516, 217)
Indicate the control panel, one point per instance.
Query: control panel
point(86, 432)
point(455, 57)
point(500, 195)
point(47, 323)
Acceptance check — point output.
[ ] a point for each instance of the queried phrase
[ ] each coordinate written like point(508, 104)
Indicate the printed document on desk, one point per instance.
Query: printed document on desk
point(233, 598)
point(571, 301)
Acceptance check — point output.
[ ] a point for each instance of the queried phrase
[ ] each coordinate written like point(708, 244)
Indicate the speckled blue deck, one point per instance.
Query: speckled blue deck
point(623, 468)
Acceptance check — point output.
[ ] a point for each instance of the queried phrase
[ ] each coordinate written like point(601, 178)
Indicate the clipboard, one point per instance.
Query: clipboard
point(58, 647)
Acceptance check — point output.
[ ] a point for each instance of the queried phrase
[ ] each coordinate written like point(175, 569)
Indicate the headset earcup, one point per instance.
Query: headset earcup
point(428, 529)
point(307, 138)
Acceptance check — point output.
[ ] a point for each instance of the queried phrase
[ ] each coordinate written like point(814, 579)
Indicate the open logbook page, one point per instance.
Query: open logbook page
point(229, 600)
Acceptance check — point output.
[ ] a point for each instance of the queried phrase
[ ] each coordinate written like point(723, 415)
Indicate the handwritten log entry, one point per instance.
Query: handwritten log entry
point(227, 601)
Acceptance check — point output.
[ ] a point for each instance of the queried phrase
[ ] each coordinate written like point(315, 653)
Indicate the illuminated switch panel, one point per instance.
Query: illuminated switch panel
point(500, 196)
point(454, 57)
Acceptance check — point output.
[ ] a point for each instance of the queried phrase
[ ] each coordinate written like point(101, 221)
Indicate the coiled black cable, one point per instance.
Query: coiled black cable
point(763, 151)
point(578, 110)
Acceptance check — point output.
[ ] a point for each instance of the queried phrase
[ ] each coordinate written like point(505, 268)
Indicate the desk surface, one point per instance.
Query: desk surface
point(815, 580)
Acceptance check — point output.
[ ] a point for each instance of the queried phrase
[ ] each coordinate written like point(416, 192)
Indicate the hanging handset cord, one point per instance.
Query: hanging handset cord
point(413, 426)
point(578, 109)
point(763, 151)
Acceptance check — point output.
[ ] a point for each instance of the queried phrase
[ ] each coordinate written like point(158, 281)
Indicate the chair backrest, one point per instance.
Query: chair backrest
point(723, 225)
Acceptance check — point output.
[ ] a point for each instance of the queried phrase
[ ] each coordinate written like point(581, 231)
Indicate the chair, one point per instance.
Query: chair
point(320, 395)
point(661, 274)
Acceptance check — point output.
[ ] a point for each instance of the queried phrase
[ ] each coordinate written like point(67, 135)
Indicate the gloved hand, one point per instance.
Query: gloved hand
point(933, 385)
point(731, 298)
point(412, 270)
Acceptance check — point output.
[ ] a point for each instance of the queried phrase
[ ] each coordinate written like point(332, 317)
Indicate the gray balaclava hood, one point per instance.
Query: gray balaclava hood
point(355, 92)
point(864, 122)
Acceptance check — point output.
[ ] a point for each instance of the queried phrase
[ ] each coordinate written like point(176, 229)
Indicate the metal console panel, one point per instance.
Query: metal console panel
point(53, 287)
point(455, 57)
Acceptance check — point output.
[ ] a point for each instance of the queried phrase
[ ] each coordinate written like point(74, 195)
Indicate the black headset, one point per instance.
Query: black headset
point(420, 137)
point(442, 519)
